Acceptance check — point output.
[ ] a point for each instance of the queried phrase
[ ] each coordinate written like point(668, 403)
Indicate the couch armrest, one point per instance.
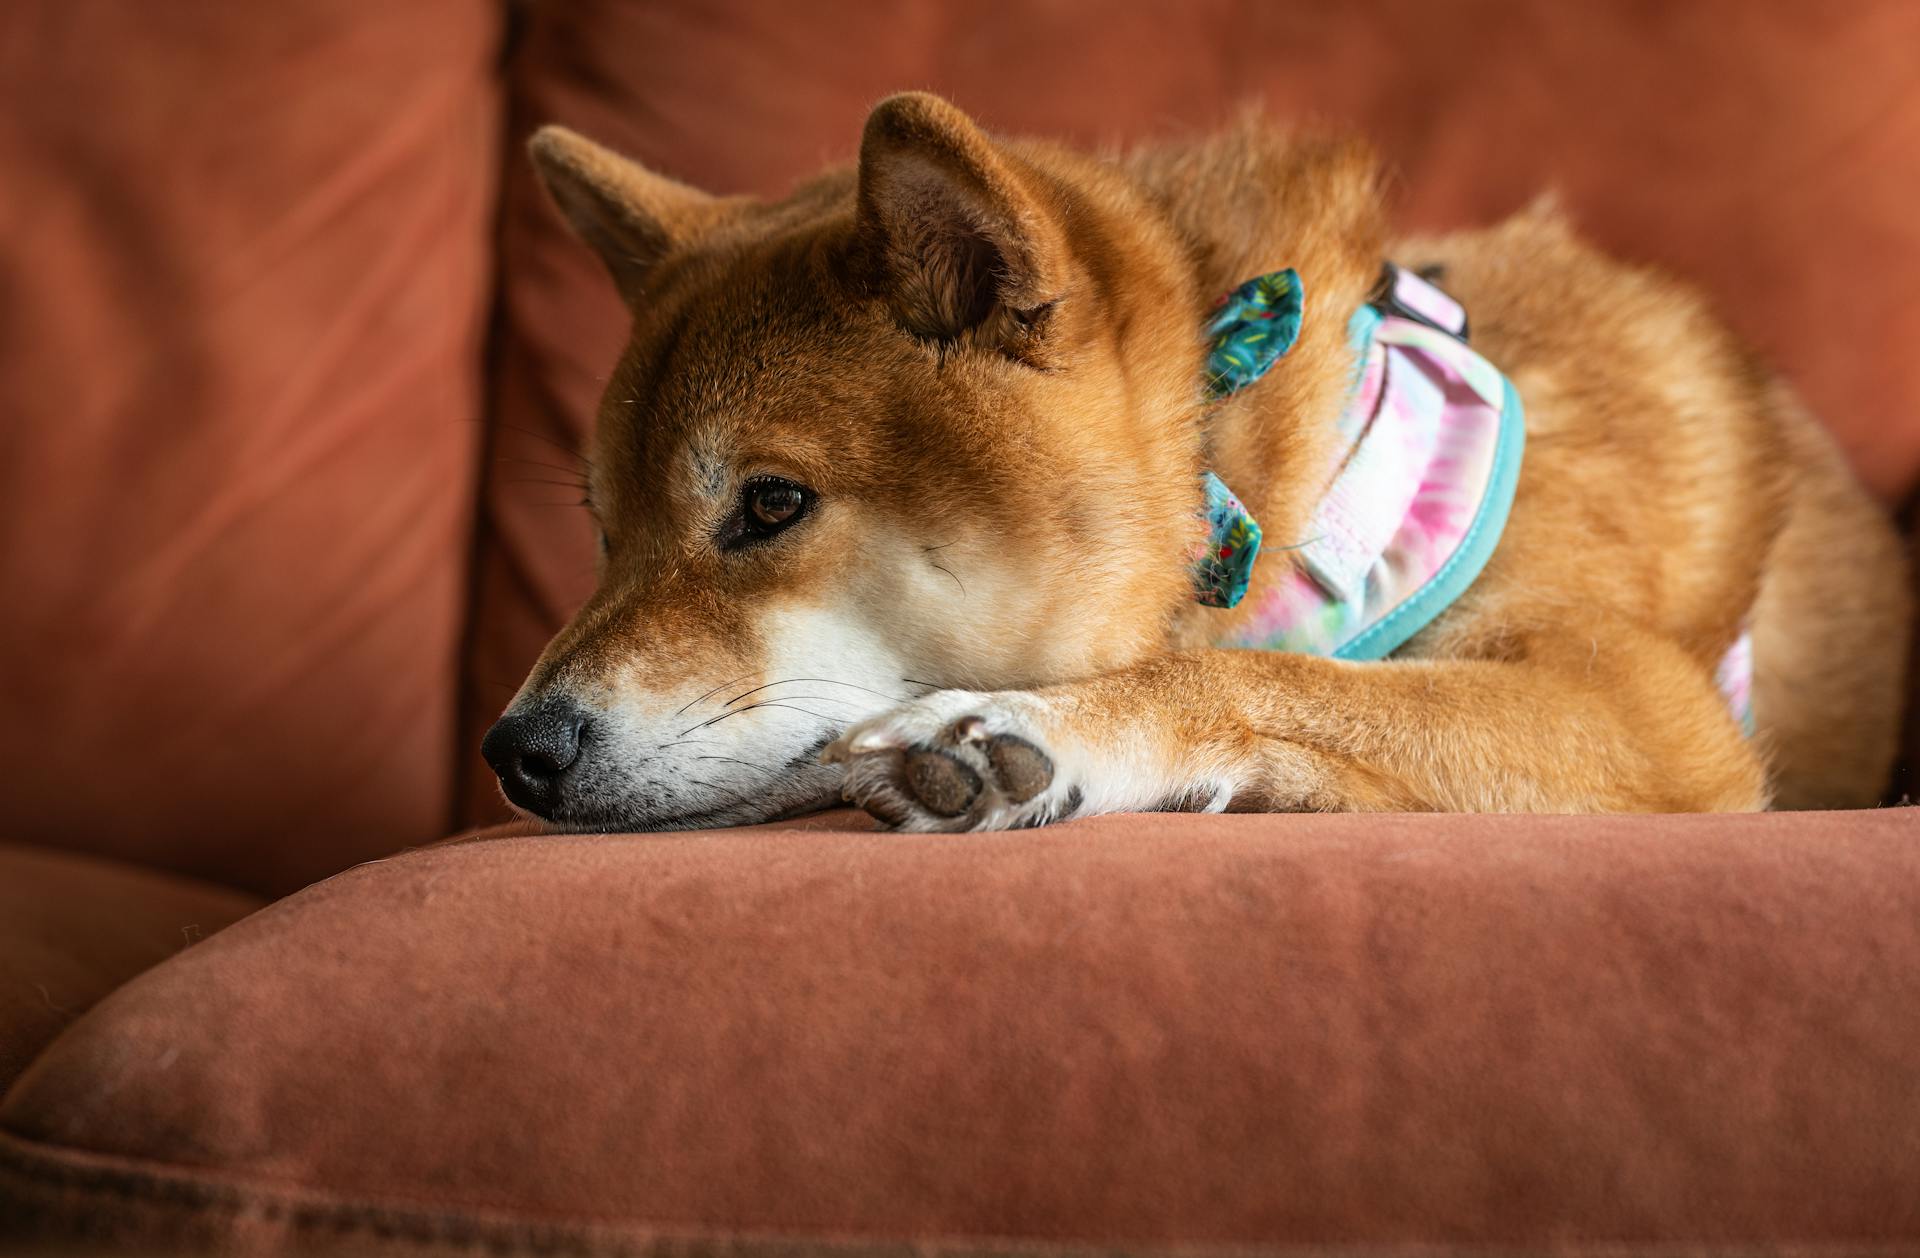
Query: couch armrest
point(73, 928)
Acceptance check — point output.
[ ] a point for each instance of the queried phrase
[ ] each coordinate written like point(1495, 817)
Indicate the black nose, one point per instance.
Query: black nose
point(531, 749)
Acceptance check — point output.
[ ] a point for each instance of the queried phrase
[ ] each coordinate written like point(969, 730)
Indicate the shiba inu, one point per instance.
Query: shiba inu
point(904, 483)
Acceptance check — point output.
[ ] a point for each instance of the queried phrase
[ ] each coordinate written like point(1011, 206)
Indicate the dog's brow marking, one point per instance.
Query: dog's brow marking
point(712, 473)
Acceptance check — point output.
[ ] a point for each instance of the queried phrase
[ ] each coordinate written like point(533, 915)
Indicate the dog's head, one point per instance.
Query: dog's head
point(924, 423)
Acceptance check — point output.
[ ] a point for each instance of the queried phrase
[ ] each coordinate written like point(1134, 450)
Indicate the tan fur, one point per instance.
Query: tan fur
point(984, 358)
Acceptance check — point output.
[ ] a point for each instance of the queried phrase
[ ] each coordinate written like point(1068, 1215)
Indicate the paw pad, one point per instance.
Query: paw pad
point(951, 772)
point(942, 783)
point(1023, 769)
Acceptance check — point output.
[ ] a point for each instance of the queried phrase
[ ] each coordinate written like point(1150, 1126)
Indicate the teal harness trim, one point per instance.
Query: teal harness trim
point(1464, 566)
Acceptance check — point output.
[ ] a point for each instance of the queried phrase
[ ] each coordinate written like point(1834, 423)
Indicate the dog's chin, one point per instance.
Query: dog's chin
point(618, 819)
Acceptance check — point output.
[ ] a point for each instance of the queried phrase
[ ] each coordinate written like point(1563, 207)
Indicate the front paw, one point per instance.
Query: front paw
point(956, 760)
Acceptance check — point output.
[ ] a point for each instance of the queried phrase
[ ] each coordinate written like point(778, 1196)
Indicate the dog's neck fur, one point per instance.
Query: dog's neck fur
point(1248, 202)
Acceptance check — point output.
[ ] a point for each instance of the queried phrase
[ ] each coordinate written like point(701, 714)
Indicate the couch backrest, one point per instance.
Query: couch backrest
point(245, 281)
point(245, 254)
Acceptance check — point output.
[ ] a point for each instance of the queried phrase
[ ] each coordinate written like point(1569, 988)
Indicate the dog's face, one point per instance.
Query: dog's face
point(923, 425)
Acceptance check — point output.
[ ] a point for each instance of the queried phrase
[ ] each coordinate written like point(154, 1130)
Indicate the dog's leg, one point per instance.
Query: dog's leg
point(1554, 724)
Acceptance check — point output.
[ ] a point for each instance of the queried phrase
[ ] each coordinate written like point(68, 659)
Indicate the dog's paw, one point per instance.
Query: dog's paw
point(957, 760)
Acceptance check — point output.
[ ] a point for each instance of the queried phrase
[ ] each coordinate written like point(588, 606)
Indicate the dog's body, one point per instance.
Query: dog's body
point(936, 425)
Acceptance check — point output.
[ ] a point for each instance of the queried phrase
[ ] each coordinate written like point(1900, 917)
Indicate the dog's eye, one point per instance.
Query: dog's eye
point(775, 502)
point(768, 505)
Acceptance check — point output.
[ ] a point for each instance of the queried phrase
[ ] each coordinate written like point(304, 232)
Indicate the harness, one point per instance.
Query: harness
point(1418, 491)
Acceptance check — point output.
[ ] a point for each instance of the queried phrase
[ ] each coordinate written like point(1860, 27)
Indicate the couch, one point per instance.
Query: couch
point(297, 360)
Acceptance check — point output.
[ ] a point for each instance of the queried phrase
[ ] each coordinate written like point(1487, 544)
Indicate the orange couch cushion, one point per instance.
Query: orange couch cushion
point(1763, 150)
point(244, 257)
point(1130, 1034)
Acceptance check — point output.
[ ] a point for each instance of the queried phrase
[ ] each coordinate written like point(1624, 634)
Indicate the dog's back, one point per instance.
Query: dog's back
point(1670, 482)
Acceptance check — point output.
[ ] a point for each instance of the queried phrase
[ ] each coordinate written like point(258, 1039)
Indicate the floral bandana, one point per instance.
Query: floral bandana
point(1417, 495)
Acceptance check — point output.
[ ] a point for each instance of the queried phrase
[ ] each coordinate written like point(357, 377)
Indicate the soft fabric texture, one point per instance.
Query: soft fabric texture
point(1251, 328)
point(1222, 563)
point(1134, 1032)
point(73, 928)
point(244, 268)
point(1763, 151)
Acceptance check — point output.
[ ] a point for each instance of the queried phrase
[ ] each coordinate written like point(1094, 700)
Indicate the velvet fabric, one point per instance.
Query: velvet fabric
point(73, 928)
point(1134, 1033)
point(244, 265)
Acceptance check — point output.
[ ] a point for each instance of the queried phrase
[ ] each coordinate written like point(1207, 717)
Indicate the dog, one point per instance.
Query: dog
point(903, 483)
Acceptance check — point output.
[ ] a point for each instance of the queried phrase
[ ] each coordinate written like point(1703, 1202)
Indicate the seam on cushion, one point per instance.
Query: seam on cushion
point(42, 1169)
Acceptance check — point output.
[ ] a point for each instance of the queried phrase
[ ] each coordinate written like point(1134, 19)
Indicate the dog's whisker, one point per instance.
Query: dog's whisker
point(809, 698)
point(825, 681)
point(569, 469)
point(759, 768)
point(754, 707)
point(539, 474)
point(818, 716)
point(569, 451)
point(682, 742)
point(739, 797)
point(722, 686)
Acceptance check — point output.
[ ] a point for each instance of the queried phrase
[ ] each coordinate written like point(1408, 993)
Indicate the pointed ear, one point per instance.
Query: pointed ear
point(631, 216)
point(957, 230)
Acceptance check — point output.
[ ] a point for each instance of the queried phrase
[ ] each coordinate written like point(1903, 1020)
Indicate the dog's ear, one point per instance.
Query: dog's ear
point(631, 216)
point(958, 231)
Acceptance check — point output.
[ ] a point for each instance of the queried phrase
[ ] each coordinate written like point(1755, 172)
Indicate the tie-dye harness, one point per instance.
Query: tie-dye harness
point(1422, 478)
